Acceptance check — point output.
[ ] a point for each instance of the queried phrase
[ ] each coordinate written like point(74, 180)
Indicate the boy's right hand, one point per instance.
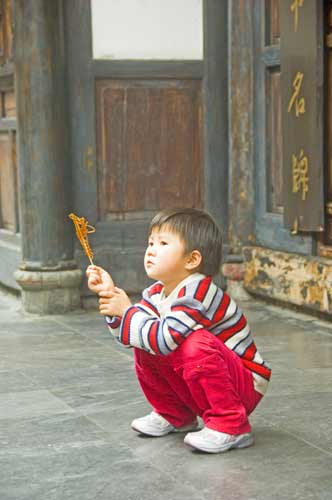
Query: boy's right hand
point(99, 280)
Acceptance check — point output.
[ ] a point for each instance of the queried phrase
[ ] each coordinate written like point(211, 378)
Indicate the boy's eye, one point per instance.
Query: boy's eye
point(163, 242)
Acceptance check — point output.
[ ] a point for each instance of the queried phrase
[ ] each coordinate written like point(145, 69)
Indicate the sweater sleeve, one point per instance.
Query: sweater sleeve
point(114, 322)
point(162, 336)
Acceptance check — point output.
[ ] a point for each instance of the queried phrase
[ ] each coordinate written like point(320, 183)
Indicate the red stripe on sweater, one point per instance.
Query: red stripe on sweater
point(156, 288)
point(194, 314)
point(115, 323)
point(176, 336)
point(222, 308)
point(261, 370)
point(250, 352)
point(202, 289)
point(149, 305)
point(126, 325)
point(152, 337)
point(229, 332)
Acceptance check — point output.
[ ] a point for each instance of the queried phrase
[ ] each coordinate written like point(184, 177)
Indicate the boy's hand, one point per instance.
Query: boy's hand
point(99, 280)
point(114, 302)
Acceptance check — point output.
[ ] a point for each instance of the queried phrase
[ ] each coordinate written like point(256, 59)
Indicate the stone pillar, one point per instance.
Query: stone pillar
point(48, 274)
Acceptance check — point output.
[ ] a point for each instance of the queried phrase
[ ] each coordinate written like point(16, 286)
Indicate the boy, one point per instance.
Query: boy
point(194, 353)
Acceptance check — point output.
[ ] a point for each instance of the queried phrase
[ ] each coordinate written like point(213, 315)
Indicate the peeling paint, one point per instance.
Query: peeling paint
point(292, 278)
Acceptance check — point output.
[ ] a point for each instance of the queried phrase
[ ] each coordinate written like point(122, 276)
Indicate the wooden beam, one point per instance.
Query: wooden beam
point(215, 110)
point(181, 70)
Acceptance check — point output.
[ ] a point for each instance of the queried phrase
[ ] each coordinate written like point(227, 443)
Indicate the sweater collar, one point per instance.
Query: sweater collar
point(174, 294)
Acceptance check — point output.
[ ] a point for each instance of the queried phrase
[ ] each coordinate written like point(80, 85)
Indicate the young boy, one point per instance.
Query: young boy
point(194, 353)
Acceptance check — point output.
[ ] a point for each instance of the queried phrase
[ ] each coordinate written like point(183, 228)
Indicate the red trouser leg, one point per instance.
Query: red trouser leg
point(201, 377)
point(164, 389)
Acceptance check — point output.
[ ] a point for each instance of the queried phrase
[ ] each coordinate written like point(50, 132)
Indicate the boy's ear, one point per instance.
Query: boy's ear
point(194, 260)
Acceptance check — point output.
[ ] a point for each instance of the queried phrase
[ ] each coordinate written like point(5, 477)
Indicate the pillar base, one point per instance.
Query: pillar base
point(234, 274)
point(50, 292)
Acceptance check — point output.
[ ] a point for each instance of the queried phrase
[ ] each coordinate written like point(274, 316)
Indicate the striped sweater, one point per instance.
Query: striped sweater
point(159, 324)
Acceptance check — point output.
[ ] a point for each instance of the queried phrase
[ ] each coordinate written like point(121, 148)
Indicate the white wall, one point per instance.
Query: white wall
point(147, 29)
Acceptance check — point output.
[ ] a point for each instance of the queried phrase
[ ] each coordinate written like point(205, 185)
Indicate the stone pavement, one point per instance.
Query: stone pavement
point(68, 394)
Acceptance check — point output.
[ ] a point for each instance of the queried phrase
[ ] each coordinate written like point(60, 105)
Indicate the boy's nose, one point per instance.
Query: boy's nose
point(151, 251)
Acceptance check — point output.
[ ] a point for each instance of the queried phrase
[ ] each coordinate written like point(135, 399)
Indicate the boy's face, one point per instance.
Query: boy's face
point(165, 258)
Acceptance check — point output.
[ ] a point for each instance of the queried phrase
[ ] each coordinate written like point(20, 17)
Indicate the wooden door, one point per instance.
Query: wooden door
point(148, 158)
point(136, 146)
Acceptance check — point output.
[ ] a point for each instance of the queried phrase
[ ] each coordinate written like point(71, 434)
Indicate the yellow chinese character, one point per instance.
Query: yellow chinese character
point(295, 8)
point(299, 103)
point(300, 174)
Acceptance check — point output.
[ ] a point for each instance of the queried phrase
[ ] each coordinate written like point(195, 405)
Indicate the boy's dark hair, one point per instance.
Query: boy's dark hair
point(198, 230)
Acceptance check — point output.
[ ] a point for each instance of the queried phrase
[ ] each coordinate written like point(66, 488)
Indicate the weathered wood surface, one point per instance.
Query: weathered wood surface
point(269, 227)
point(8, 183)
point(304, 281)
point(241, 147)
point(45, 181)
point(274, 185)
point(149, 145)
point(302, 82)
point(81, 113)
point(215, 111)
point(328, 120)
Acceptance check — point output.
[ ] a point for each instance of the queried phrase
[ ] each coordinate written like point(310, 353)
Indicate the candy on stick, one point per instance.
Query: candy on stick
point(82, 230)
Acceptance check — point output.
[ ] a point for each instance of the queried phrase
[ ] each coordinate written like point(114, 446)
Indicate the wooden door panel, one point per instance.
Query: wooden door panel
point(144, 124)
point(149, 145)
point(274, 143)
point(110, 144)
point(274, 177)
point(6, 32)
point(272, 11)
point(9, 104)
point(8, 182)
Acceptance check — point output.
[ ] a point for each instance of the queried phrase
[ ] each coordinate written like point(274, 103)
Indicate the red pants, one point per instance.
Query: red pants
point(201, 377)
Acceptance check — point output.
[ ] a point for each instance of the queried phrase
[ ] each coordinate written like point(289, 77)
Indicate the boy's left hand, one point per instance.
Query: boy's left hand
point(113, 303)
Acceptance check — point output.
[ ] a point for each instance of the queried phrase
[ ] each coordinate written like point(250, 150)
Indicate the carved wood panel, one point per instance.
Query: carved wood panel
point(149, 145)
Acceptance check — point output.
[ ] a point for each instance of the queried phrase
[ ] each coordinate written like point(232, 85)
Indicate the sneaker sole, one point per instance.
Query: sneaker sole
point(186, 428)
point(150, 433)
point(243, 443)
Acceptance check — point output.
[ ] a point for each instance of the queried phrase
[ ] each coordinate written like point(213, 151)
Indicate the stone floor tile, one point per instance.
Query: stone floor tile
point(31, 404)
point(68, 394)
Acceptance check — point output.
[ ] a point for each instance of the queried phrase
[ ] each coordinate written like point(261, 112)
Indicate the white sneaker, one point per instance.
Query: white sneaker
point(212, 441)
point(155, 425)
